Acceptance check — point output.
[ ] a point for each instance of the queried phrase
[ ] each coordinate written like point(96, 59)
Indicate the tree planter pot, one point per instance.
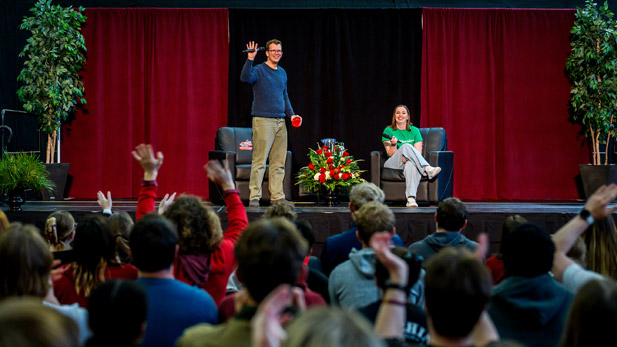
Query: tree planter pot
point(58, 173)
point(594, 176)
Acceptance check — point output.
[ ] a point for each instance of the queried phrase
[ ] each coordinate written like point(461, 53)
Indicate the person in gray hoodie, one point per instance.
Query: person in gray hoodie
point(529, 306)
point(352, 283)
point(451, 219)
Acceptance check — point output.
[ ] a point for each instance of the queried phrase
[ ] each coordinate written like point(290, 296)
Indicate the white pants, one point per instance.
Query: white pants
point(413, 168)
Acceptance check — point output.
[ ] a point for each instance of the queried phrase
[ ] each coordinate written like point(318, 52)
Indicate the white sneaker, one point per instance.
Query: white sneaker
point(431, 171)
point(411, 202)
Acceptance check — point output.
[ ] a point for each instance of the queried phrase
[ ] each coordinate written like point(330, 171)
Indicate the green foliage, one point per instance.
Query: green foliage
point(25, 171)
point(51, 86)
point(591, 66)
point(330, 169)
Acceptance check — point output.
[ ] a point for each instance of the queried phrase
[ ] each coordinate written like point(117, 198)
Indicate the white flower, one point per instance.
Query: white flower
point(316, 178)
point(327, 175)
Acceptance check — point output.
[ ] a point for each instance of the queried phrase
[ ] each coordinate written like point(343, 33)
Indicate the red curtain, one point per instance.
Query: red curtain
point(495, 80)
point(156, 76)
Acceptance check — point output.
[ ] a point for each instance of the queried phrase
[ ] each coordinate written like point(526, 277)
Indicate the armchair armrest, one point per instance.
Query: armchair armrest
point(443, 186)
point(376, 168)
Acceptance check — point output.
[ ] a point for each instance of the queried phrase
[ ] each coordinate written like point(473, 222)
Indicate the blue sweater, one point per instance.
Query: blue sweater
point(172, 307)
point(269, 90)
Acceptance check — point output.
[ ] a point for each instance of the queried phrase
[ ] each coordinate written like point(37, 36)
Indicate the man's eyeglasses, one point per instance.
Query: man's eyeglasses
point(278, 51)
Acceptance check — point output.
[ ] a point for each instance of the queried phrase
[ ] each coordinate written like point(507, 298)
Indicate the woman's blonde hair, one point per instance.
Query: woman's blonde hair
point(58, 228)
point(601, 241)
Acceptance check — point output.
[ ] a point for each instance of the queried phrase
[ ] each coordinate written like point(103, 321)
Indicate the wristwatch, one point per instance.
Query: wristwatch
point(586, 215)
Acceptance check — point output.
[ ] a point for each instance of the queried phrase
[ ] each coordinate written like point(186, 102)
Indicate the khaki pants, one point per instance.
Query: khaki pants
point(269, 143)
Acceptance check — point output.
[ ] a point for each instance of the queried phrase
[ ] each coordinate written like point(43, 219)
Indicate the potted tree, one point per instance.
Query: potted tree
point(591, 67)
point(51, 86)
point(20, 171)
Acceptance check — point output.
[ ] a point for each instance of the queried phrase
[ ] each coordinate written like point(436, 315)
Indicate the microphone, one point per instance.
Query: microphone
point(252, 50)
point(386, 136)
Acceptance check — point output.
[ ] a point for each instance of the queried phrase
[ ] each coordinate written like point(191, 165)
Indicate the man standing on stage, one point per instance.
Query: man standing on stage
point(270, 106)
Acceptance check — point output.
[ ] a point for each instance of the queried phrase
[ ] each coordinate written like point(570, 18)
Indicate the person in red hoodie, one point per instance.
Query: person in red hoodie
point(206, 254)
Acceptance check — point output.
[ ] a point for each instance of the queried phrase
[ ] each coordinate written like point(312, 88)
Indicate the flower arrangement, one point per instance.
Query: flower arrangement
point(330, 168)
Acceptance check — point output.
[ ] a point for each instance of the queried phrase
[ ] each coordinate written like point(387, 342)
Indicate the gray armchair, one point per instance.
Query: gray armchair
point(236, 145)
point(435, 152)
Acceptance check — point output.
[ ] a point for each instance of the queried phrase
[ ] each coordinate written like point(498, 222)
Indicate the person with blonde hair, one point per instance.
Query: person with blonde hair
point(60, 231)
point(403, 143)
point(25, 270)
point(25, 322)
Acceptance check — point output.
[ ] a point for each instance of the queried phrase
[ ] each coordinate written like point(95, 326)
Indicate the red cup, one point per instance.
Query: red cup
point(295, 122)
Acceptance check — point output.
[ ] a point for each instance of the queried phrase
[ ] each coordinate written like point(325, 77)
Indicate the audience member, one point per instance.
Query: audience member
point(415, 330)
point(450, 220)
point(337, 247)
point(458, 287)
point(529, 306)
point(121, 224)
point(601, 241)
point(25, 266)
point(316, 280)
point(24, 322)
point(572, 275)
point(95, 262)
point(495, 263)
point(117, 312)
point(59, 231)
point(352, 283)
point(270, 252)
point(593, 315)
point(228, 306)
point(4, 221)
point(281, 208)
point(206, 255)
point(172, 305)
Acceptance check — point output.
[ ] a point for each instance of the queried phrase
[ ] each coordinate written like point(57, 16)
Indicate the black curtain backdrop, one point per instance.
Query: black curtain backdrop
point(346, 69)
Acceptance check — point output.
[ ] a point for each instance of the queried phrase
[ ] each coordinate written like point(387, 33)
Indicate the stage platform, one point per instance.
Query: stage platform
point(412, 224)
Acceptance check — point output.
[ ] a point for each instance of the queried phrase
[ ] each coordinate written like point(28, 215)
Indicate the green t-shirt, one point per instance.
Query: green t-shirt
point(403, 136)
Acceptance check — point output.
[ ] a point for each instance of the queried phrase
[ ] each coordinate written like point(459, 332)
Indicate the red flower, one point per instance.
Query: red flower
point(345, 154)
point(341, 166)
point(328, 154)
point(330, 160)
point(331, 167)
point(318, 151)
point(345, 175)
point(348, 161)
point(332, 172)
point(322, 178)
point(322, 169)
point(325, 147)
point(337, 170)
point(336, 176)
point(311, 166)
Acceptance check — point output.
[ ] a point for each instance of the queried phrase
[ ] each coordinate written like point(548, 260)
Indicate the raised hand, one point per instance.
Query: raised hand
point(397, 268)
point(104, 202)
point(144, 154)
point(267, 329)
point(166, 202)
point(252, 45)
point(598, 202)
point(220, 175)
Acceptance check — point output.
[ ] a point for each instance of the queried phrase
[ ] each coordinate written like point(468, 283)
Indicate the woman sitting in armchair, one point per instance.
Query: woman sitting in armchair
point(403, 144)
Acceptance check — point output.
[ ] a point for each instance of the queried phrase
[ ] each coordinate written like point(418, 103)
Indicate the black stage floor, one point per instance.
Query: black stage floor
point(412, 224)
